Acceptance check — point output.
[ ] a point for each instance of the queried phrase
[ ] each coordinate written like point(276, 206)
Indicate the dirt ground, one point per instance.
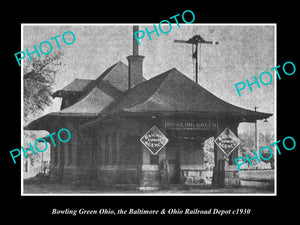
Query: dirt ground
point(43, 186)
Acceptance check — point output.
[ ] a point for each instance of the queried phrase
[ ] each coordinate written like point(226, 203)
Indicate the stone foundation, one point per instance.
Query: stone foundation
point(196, 175)
point(69, 174)
point(150, 177)
point(232, 177)
point(112, 175)
point(144, 177)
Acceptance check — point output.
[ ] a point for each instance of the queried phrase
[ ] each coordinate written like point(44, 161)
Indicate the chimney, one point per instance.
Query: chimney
point(135, 63)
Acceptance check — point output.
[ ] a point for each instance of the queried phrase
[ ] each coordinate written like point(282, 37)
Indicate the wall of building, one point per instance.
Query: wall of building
point(112, 153)
point(64, 156)
point(119, 152)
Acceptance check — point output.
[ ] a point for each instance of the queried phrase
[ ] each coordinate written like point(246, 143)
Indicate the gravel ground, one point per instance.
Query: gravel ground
point(43, 186)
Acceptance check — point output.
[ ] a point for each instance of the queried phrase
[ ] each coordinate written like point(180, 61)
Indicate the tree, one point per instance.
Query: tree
point(39, 78)
point(248, 147)
point(266, 140)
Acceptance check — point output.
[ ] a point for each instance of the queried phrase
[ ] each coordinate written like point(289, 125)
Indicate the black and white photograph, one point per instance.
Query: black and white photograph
point(159, 109)
point(127, 112)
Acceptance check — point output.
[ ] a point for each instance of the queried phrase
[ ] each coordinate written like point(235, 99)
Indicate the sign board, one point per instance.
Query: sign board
point(191, 125)
point(227, 141)
point(154, 140)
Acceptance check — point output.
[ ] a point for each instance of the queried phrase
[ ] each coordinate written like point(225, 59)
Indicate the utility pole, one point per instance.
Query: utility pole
point(256, 139)
point(195, 41)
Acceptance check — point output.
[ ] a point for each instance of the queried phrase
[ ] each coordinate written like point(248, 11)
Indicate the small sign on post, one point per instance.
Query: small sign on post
point(154, 140)
point(227, 141)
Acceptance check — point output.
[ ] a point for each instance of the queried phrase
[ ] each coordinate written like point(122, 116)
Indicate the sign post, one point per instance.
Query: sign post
point(227, 142)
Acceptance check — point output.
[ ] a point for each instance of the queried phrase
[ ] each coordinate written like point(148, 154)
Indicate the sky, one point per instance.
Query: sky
point(244, 51)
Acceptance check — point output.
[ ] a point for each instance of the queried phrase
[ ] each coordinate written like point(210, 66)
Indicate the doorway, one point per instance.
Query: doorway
point(173, 159)
point(185, 155)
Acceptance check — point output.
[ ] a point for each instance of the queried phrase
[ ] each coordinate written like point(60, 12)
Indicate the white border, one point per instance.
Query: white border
point(154, 194)
point(22, 113)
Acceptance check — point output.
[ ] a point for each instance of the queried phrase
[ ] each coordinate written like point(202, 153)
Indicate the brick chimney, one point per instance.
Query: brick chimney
point(135, 63)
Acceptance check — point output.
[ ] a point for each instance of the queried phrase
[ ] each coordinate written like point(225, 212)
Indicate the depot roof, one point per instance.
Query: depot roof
point(76, 85)
point(169, 92)
point(172, 91)
point(116, 76)
point(96, 95)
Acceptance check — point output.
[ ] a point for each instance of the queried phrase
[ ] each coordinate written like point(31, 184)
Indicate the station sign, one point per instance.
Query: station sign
point(154, 140)
point(227, 141)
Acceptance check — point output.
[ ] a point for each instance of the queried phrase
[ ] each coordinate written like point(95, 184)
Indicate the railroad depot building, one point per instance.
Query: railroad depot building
point(108, 116)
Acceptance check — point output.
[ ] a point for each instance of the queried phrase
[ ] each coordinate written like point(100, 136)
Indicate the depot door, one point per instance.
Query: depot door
point(174, 150)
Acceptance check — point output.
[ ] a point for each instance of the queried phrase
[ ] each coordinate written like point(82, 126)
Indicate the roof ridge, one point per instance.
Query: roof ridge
point(140, 87)
point(96, 82)
point(162, 76)
point(155, 94)
point(167, 74)
point(107, 87)
point(82, 79)
point(108, 70)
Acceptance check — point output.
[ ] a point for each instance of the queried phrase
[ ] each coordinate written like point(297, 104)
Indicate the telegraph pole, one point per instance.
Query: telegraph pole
point(256, 139)
point(195, 41)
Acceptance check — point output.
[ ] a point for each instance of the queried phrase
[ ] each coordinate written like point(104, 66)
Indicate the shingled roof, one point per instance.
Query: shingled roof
point(77, 85)
point(111, 75)
point(96, 95)
point(172, 91)
point(96, 100)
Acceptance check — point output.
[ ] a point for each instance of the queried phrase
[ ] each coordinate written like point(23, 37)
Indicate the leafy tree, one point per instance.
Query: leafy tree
point(248, 146)
point(266, 140)
point(39, 78)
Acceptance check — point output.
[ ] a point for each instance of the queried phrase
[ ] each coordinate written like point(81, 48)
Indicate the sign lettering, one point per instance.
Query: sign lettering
point(195, 125)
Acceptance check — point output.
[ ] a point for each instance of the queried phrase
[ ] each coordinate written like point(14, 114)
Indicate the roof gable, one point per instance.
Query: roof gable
point(94, 102)
point(99, 93)
point(137, 95)
point(76, 86)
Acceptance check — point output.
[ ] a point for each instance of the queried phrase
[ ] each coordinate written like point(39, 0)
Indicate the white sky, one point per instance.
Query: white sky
point(244, 51)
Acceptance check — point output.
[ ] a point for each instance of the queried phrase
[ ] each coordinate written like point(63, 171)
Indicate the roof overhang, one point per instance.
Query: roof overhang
point(50, 121)
point(249, 116)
